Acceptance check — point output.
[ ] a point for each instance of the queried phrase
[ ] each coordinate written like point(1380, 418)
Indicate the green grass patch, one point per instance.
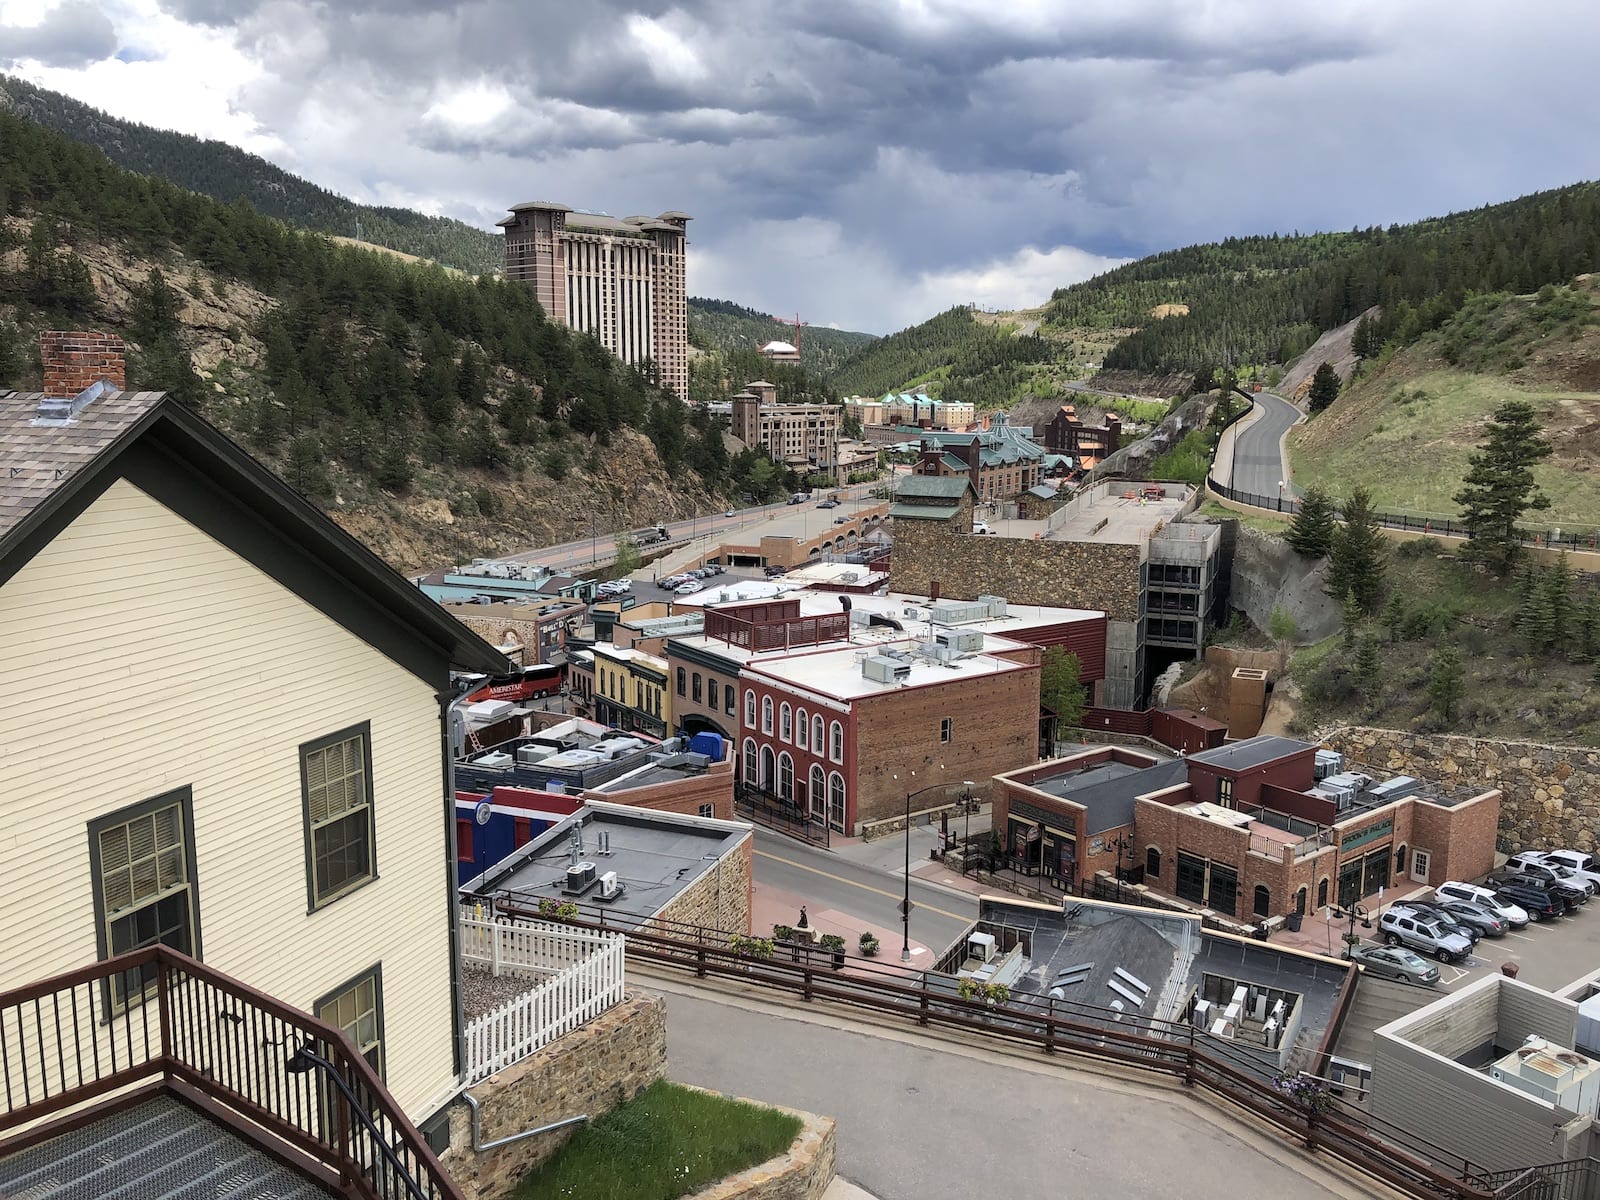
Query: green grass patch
point(1265, 522)
point(1408, 442)
point(666, 1142)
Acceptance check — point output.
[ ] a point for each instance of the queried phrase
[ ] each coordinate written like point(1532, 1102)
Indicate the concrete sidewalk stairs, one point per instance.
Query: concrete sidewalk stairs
point(842, 1189)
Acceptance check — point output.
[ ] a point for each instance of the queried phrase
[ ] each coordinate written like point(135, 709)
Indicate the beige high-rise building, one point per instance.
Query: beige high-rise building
point(621, 280)
point(804, 437)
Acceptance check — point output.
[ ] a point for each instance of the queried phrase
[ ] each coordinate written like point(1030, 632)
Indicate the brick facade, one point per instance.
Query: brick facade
point(688, 794)
point(74, 361)
point(947, 557)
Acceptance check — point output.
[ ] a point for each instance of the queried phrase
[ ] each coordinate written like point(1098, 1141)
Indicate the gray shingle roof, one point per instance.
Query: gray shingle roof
point(933, 487)
point(36, 460)
point(1252, 752)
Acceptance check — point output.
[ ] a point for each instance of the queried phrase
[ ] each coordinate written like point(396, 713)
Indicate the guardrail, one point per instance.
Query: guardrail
point(1385, 1152)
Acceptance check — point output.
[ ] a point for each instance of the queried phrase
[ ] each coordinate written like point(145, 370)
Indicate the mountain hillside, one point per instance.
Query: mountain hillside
point(408, 400)
point(1406, 426)
point(228, 174)
point(725, 326)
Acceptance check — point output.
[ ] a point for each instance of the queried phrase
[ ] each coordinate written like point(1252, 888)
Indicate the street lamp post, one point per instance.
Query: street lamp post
point(1355, 912)
point(966, 833)
point(905, 900)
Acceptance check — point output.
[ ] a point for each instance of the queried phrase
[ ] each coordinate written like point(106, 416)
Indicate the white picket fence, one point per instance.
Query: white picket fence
point(580, 976)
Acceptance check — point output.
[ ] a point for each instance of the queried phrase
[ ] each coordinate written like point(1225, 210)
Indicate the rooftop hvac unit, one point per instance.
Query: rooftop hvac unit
point(1273, 1032)
point(981, 947)
point(881, 669)
point(1222, 1027)
point(579, 878)
point(495, 760)
point(1589, 1024)
point(1201, 1017)
point(958, 612)
point(996, 605)
point(610, 888)
point(962, 641)
point(1328, 762)
point(1552, 1074)
point(527, 756)
point(850, 577)
point(1394, 789)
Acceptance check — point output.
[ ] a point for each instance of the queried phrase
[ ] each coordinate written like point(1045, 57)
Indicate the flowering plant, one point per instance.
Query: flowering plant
point(1305, 1092)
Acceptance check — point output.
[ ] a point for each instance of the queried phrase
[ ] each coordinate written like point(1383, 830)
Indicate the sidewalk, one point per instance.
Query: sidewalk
point(771, 906)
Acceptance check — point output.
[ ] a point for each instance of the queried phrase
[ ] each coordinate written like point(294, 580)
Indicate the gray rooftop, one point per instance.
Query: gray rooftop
point(36, 459)
point(656, 857)
point(933, 487)
point(1107, 791)
point(1252, 752)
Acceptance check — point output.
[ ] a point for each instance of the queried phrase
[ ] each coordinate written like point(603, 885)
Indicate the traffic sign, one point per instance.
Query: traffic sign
point(905, 908)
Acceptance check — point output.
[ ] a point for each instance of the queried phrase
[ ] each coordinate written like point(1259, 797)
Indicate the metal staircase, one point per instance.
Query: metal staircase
point(160, 1149)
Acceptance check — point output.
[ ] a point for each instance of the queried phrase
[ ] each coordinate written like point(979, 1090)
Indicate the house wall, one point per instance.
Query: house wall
point(208, 674)
point(1092, 575)
point(1461, 840)
point(687, 794)
point(724, 716)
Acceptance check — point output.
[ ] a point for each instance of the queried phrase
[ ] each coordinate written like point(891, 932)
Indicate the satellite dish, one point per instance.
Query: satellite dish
point(483, 812)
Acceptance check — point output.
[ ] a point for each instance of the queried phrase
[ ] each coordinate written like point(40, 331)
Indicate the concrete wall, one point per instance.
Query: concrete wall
point(1550, 794)
point(590, 1070)
point(1092, 575)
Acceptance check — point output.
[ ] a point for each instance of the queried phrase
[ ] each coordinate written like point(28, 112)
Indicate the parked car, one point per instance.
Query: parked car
point(841, 520)
point(1569, 897)
point(1539, 904)
point(689, 588)
point(1394, 962)
point(797, 500)
point(672, 581)
point(830, 502)
point(1535, 863)
point(1577, 861)
point(1402, 927)
point(1479, 917)
point(1452, 892)
point(775, 570)
point(730, 513)
point(1431, 911)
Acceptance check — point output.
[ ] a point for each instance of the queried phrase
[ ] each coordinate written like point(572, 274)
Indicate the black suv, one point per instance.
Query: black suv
point(1568, 897)
point(1539, 904)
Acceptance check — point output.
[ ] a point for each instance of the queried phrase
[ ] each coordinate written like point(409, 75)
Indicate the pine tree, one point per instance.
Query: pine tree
point(1394, 617)
point(1446, 684)
point(1588, 643)
point(1367, 665)
point(1358, 557)
point(1324, 388)
point(1499, 487)
point(1312, 529)
point(1350, 613)
point(1558, 583)
point(1538, 621)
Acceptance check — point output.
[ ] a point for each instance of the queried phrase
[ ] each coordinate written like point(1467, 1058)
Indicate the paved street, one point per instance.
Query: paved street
point(921, 1118)
point(837, 882)
point(1257, 466)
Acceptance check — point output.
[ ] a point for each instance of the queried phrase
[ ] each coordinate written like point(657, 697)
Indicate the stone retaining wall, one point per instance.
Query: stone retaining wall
point(803, 1172)
point(590, 1070)
point(1550, 794)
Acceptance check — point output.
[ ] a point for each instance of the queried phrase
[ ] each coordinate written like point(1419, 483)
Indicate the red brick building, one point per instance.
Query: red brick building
point(1247, 830)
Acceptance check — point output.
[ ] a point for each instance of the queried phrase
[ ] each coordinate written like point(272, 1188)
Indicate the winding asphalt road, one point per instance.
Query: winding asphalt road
point(1257, 451)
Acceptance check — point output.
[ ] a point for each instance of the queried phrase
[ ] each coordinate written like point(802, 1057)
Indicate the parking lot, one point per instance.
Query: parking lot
point(1549, 954)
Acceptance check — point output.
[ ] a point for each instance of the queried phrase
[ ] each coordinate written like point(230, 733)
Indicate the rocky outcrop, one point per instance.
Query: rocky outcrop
point(1333, 347)
point(1268, 574)
point(1132, 460)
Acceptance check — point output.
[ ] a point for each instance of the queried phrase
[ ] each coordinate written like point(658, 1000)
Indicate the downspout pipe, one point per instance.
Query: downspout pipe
point(479, 1145)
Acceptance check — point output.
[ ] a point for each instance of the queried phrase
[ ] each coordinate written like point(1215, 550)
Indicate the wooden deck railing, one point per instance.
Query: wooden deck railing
point(156, 1016)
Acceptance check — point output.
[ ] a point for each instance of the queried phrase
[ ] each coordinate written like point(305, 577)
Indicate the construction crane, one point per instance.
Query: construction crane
point(798, 325)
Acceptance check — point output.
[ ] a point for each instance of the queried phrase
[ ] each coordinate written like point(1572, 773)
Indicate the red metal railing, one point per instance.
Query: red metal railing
point(158, 1017)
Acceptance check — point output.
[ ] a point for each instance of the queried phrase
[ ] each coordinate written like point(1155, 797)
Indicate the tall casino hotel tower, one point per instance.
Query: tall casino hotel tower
point(619, 280)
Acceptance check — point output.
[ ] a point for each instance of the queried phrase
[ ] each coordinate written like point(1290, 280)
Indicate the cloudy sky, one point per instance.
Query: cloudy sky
point(867, 162)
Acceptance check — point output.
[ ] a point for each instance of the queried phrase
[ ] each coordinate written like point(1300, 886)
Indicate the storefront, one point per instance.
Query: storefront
point(1034, 848)
point(1210, 884)
point(1364, 861)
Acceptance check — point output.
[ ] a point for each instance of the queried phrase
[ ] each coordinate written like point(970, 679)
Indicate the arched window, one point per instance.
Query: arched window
point(816, 734)
point(836, 801)
point(766, 714)
point(836, 742)
point(818, 792)
point(1322, 892)
point(750, 776)
point(1263, 900)
point(750, 709)
point(1300, 902)
point(681, 676)
point(1400, 861)
point(769, 769)
point(712, 699)
point(786, 777)
point(802, 725)
point(786, 722)
point(1152, 862)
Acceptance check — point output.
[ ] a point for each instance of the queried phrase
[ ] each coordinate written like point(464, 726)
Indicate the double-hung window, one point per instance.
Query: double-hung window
point(336, 787)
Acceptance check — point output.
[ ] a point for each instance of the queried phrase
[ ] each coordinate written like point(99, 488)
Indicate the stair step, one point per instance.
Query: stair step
point(79, 1153)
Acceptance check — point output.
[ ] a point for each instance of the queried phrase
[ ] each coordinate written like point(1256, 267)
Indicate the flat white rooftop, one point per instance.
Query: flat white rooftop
point(838, 673)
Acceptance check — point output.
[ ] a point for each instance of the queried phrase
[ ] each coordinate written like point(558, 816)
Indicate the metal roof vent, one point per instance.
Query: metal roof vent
point(58, 410)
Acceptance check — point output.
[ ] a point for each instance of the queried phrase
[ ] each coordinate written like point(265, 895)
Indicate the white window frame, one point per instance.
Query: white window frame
point(749, 708)
point(836, 742)
point(785, 722)
point(766, 715)
point(1421, 860)
point(947, 728)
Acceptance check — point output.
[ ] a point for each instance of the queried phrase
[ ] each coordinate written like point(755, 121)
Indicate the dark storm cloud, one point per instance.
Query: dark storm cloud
point(72, 34)
point(863, 153)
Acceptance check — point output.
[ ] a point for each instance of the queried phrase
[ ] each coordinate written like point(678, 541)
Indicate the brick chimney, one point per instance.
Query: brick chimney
point(74, 361)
